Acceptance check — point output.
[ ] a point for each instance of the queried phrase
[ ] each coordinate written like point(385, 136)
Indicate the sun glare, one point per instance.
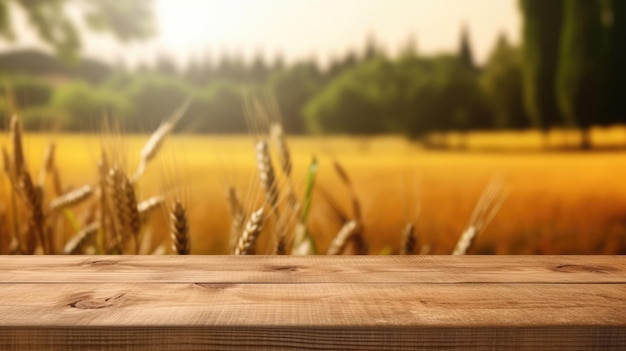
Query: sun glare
point(189, 21)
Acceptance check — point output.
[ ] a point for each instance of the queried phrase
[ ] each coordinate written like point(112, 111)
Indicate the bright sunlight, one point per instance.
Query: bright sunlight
point(186, 22)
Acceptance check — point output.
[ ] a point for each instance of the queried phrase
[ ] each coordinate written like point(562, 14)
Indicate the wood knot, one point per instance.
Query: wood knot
point(215, 286)
point(285, 268)
point(89, 302)
point(100, 262)
point(575, 268)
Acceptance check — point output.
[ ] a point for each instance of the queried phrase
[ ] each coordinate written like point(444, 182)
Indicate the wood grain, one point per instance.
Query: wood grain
point(325, 303)
point(313, 269)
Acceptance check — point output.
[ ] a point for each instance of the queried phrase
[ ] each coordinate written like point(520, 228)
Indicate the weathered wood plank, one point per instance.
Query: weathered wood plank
point(314, 269)
point(347, 303)
point(548, 338)
point(301, 305)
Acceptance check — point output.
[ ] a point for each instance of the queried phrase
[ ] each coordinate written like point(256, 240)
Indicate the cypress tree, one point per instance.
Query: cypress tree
point(615, 108)
point(541, 36)
point(579, 70)
point(466, 56)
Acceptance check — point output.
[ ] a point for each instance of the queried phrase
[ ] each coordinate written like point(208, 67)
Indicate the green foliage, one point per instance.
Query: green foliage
point(82, 106)
point(541, 36)
point(26, 91)
point(580, 61)
point(294, 87)
point(33, 62)
point(413, 95)
point(126, 19)
point(219, 108)
point(614, 108)
point(5, 23)
point(501, 81)
point(465, 50)
point(153, 98)
point(42, 118)
point(353, 102)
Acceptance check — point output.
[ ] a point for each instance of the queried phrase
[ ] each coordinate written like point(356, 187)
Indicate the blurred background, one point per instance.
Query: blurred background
point(430, 99)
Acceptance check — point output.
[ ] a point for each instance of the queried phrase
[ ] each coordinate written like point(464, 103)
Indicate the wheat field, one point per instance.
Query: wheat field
point(557, 203)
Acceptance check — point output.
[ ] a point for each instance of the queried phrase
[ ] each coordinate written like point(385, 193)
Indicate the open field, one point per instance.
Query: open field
point(559, 203)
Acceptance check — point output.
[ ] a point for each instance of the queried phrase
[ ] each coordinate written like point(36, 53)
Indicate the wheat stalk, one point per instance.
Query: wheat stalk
point(267, 176)
point(123, 205)
point(71, 198)
point(339, 243)
point(146, 207)
point(343, 175)
point(278, 136)
point(152, 146)
point(82, 239)
point(109, 240)
point(179, 229)
point(33, 196)
point(409, 240)
point(237, 216)
point(48, 164)
point(18, 149)
point(130, 212)
point(486, 208)
point(246, 245)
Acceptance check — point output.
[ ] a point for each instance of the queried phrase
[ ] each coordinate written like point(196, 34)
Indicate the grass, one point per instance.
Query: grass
point(559, 203)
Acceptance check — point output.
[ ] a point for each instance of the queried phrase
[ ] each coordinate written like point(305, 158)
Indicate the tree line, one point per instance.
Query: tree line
point(566, 73)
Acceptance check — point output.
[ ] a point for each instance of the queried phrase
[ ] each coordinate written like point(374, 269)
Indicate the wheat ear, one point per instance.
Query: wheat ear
point(343, 175)
point(33, 196)
point(339, 243)
point(82, 239)
point(108, 239)
point(71, 198)
point(179, 229)
point(123, 204)
point(8, 169)
point(267, 175)
point(132, 219)
point(237, 216)
point(152, 146)
point(409, 240)
point(486, 208)
point(18, 149)
point(278, 136)
point(146, 207)
point(246, 245)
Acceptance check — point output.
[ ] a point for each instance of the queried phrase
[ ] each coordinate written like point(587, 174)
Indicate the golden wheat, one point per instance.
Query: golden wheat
point(78, 244)
point(246, 245)
point(179, 229)
point(71, 198)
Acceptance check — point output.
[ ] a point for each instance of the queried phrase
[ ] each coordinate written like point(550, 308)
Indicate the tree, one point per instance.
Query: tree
point(501, 80)
point(165, 65)
point(153, 98)
point(466, 57)
point(337, 67)
point(294, 87)
point(541, 36)
point(579, 65)
point(128, 20)
point(259, 70)
point(372, 50)
point(615, 74)
point(218, 109)
point(409, 50)
point(81, 106)
point(352, 103)
point(415, 96)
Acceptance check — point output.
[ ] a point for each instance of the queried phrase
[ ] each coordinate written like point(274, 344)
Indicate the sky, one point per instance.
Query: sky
point(301, 29)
